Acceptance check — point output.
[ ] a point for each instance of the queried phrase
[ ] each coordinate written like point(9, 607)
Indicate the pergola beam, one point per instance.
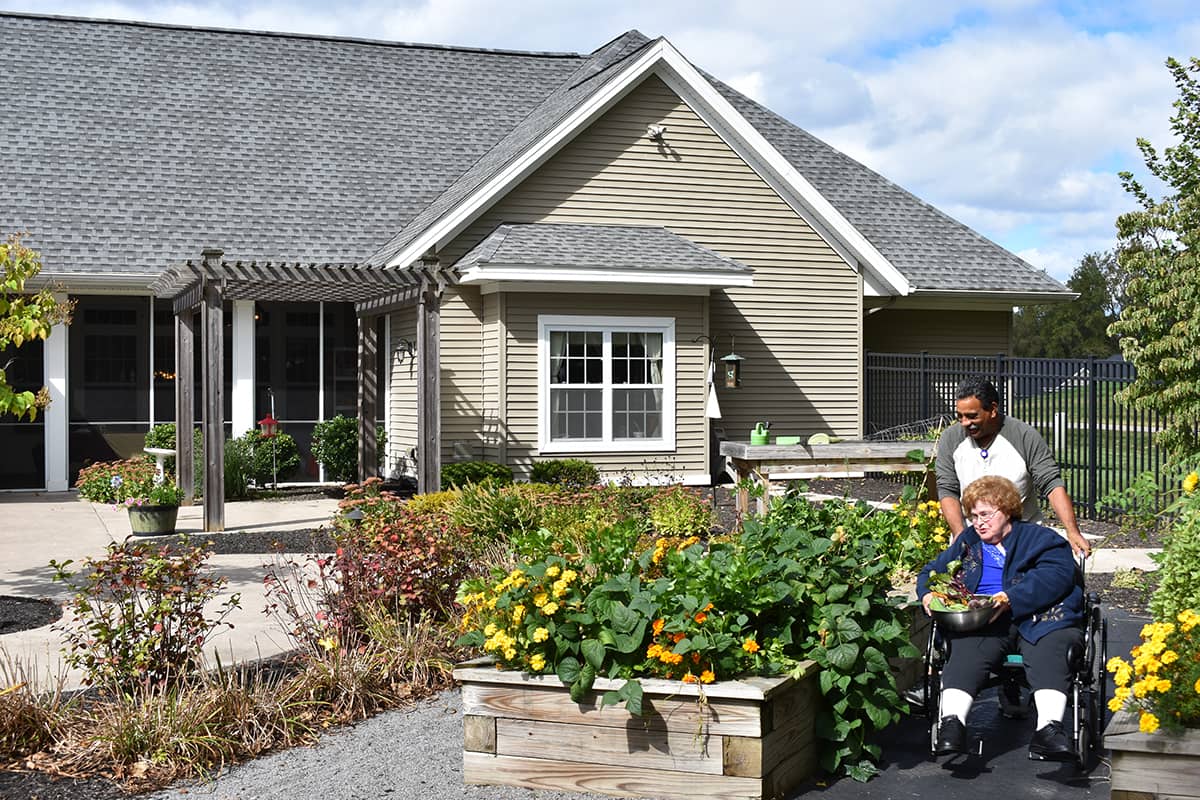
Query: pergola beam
point(368, 394)
point(213, 427)
point(185, 402)
point(429, 379)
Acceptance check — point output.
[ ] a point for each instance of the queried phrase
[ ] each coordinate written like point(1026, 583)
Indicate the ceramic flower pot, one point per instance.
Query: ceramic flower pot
point(153, 520)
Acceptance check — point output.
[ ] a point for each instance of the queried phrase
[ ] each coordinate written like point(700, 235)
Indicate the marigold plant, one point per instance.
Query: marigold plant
point(1161, 682)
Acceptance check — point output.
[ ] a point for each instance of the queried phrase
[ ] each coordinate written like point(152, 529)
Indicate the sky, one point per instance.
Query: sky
point(1013, 116)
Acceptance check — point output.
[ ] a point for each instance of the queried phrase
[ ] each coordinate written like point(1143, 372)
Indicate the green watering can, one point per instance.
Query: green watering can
point(760, 433)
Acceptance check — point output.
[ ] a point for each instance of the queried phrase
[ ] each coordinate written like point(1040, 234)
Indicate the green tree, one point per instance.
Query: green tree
point(23, 318)
point(1159, 326)
point(1078, 328)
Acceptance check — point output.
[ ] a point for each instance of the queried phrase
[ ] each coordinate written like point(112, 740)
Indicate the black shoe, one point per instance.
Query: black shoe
point(952, 736)
point(1050, 743)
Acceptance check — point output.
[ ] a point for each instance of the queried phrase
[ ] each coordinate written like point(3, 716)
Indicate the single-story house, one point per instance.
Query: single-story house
point(539, 255)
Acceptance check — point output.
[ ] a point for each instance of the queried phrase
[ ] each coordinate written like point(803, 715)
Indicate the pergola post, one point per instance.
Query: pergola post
point(211, 323)
point(429, 382)
point(368, 394)
point(185, 402)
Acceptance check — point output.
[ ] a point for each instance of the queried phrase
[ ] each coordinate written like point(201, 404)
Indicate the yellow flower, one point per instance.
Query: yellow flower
point(1197, 686)
point(540, 599)
point(550, 609)
point(537, 662)
point(1163, 686)
point(510, 653)
point(329, 643)
point(1148, 723)
point(541, 635)
point(553, 570)
point(750, 646)
point(1170, 657)
point(559, 589)
point(518, 614)
point(1114, 705)
point(1189, 483)
point(489, 630)
point(569, 575)
point(707, 676)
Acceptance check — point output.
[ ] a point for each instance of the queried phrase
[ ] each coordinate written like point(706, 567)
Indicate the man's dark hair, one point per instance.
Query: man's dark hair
point(980, 388)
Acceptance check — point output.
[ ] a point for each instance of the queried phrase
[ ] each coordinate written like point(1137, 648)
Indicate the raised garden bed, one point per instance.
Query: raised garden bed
point(1147, 766)
point(751, 738)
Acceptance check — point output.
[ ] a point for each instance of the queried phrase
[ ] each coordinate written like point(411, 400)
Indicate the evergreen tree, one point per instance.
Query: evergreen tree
point(1075, 329)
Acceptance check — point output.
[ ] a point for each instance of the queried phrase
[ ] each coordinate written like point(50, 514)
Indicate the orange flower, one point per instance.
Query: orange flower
point(750, 646)
point(690, 678)
point(676, 638)
point(707, 676)
point(708, 607)
point(658, 626)
point(701, 617)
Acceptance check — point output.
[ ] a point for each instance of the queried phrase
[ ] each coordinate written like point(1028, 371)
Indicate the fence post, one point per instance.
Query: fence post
point(1093, 443)
point(924, 385)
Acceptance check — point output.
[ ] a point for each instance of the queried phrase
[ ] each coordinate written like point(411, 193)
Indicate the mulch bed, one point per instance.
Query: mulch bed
point(25, 613)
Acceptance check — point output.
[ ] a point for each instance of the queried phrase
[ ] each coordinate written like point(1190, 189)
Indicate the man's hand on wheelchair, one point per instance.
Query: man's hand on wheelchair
point(1001, 604)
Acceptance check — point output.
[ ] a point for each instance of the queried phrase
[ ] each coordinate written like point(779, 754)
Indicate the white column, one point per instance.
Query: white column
point(243, 367)
point(54, 361)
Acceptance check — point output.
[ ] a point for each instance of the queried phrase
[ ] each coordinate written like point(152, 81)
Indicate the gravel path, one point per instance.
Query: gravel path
point(410, 754)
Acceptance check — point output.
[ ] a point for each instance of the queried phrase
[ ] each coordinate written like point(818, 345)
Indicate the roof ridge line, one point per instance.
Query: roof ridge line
point(291, 35)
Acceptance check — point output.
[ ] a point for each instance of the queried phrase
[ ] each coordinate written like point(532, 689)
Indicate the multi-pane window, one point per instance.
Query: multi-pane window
point(605, 383)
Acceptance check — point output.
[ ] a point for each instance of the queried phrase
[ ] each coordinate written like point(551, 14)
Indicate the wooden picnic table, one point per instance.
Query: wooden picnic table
point(762, 462)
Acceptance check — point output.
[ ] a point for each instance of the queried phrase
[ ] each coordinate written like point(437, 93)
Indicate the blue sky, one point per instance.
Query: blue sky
point(1013, 116)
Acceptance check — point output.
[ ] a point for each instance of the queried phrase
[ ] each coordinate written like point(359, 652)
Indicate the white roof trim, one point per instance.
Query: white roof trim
point(518, 272)
point(662, 58)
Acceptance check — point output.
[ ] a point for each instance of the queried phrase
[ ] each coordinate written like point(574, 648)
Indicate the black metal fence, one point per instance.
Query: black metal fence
point(1101, 445)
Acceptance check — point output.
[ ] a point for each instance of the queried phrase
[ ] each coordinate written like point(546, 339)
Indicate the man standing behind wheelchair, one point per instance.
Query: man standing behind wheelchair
point(1030, 572)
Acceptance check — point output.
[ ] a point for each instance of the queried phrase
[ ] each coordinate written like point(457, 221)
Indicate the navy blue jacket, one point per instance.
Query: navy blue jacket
point(1040, 576)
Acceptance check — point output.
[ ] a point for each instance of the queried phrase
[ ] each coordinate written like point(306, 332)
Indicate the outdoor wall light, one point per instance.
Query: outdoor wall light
point(657, 133)
point(405, 349)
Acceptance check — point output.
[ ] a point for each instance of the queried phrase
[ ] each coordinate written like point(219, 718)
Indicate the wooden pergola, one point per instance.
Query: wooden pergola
point(198, 290)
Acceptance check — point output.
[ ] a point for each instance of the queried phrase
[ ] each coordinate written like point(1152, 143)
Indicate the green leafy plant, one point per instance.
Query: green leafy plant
point(1179, 562)
point(162, 436)
point(24, 317)
point(679, 511)
point(270, 456)
point(807, 583)
point(916, 538)
point(464, 473)
point(239, 463)
point(571, 472)
point(139, 612)
point(130, 483)
point(335, 446)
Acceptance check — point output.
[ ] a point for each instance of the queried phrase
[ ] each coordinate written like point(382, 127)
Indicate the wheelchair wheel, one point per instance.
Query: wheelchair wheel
point(932, 685)
point(1101, 693)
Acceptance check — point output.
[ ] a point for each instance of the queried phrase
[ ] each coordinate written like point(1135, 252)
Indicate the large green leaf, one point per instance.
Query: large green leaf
point(568, 670)
point(593, 653)
point(843, 656)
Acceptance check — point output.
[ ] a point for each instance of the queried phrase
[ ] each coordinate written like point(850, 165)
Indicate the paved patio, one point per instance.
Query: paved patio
point(38, 527)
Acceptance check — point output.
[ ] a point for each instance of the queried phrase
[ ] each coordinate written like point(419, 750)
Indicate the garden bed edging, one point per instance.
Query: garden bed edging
point(1148, 766)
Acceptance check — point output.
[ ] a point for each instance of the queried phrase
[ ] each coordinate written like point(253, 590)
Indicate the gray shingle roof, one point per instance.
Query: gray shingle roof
point(621, 247)
point(130, 146)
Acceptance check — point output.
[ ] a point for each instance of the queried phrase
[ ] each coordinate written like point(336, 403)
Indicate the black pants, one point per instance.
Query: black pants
point(973, 656)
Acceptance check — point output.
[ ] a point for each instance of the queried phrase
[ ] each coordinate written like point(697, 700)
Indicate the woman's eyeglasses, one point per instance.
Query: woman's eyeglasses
point(980, 519)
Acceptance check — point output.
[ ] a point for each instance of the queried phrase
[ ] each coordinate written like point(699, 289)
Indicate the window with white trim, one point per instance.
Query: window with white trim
point(606, 384)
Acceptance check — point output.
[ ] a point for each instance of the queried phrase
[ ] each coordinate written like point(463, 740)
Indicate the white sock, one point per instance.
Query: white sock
point(956, 702)
point(1051, 705)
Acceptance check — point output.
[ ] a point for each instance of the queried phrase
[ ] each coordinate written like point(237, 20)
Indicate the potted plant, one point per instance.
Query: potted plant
point(1154, 734)
point(151, 502)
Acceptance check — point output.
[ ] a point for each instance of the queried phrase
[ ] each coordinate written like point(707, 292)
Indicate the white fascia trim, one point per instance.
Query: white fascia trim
point(676, 290)
point(584, 275)
point(720, 114)
point(445, 229)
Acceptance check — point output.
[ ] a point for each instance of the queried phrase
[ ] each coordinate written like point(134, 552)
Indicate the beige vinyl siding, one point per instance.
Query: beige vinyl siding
point(971, 333)
point(462, 374)
point(402, 397)
point(799, 326)
point(521, 347)
point(492, 373)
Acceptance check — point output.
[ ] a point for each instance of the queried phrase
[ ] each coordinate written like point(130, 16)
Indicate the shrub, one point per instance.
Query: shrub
point(335, 446)
point(1179, 563)
point(239, 463)
point(462, 473)
point(570, 472)
point(1162, 684)
point(163, 436)
point(269, 456)
point(114, 481)
point(678, 511)
point(139, 612)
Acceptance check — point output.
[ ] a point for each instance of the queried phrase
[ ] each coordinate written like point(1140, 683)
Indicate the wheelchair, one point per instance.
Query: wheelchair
point(1087, 697)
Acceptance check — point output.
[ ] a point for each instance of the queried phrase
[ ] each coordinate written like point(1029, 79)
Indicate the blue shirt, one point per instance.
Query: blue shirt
point(992, 580)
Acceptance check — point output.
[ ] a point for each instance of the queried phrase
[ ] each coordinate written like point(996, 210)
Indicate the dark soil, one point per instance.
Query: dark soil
point(42, 786)
point(24, 613)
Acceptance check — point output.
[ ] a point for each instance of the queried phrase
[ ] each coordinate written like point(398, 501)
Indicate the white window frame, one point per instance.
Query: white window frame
point(607, 325)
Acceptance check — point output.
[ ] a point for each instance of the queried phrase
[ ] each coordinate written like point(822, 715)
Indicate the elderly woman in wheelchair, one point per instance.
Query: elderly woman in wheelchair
point(1039, 612)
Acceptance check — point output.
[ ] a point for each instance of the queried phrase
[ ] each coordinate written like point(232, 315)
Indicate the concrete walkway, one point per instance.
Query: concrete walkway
point(38, 527)
point(35, 528)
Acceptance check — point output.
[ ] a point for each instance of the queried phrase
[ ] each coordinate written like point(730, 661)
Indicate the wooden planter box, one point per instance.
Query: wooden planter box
point(746, 739)
point(1147, 766)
